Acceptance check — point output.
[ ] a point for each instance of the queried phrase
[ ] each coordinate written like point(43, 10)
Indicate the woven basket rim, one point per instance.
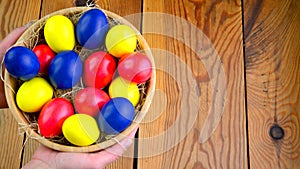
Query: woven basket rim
point(18, 115)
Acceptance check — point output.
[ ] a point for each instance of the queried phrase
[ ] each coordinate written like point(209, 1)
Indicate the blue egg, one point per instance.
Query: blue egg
point(116, 115)
point(92, 28)
point(65, 70)
point(21, 63)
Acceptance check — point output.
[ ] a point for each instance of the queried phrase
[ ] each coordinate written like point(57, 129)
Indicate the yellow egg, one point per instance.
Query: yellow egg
point(81, 129)
point(123, 88)
point(33, 94)
point(120, 40)
point(59, 33)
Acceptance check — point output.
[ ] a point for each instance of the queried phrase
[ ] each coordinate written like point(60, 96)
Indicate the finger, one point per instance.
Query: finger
point(94, 160)
point(10, 39)
point(113, 153)
point(121, 146)
point(43, 151)
point(43, 157)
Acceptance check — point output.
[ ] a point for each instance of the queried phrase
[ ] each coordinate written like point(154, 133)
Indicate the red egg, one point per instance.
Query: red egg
point(99, 69)
point(90, 100)
point(45, 56)
point(135, 67)
point(53, 115)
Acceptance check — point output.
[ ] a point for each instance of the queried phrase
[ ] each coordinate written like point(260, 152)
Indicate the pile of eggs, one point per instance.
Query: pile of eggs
point(110, 93)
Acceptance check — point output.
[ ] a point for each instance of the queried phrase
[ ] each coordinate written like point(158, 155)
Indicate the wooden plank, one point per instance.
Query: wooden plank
point(222, 23)
point(116, 6)
point(130, 10)
point(10, 141)
point(49, 6)
point(272, 51)
point(14, 13)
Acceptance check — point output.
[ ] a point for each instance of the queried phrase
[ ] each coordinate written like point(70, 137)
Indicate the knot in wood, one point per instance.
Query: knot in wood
point(84, 2)
point(276, 132)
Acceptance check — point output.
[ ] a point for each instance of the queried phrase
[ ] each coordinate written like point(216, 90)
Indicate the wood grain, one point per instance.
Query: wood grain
point(49, 6)
point(130, 10)
point(10, 142)
point(16, 13)
point(222, 23)
point(272, 50)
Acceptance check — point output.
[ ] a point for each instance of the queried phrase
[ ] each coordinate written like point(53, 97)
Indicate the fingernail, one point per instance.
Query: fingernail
point(127, 142)
point(27, 25)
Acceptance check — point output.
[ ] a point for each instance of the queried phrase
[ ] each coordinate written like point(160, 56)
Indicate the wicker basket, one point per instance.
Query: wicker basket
point(31, 37)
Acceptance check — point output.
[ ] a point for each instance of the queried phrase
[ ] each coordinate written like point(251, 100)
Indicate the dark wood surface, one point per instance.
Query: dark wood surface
point(244, 51)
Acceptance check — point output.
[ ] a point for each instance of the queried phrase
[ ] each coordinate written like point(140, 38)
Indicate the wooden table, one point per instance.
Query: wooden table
point(238, 59)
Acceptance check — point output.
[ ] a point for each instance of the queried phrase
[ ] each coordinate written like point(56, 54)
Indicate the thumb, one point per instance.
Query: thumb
point(10, 39)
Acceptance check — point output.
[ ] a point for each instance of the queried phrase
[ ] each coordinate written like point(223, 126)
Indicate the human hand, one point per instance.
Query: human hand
point(10, 39)
point(47, 158)
point(5, 44)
